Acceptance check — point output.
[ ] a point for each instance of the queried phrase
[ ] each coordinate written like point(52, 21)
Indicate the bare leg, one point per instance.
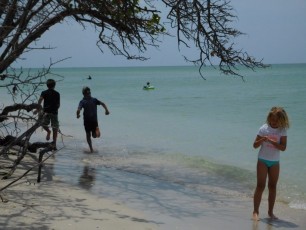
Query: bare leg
point(55, 131)
point(98, 134)
point(262, 171)
point(48, 132)
point(89, 141)
point(273, 175)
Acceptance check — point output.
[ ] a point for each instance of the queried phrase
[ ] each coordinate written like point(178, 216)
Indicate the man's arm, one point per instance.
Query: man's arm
point(39, 102)
point(105, 108)
point(59, 101)
point(78, 112)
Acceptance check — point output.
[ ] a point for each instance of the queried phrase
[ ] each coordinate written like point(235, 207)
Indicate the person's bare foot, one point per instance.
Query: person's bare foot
point(48, 135)
point(53, 144)
point(255, 216)
point(272, 216)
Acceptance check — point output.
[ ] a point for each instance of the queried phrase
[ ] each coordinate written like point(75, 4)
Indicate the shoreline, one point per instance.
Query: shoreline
point(54, 204)
point(129, 201)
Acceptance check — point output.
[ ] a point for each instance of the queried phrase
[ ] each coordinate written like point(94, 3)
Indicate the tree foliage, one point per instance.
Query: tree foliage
point(129, 25)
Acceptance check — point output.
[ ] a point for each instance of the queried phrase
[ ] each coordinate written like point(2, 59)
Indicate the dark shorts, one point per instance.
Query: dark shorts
point(51, 118)
point(90, 126)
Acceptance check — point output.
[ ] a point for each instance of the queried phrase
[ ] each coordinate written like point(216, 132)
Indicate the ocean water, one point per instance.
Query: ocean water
point(195, 132)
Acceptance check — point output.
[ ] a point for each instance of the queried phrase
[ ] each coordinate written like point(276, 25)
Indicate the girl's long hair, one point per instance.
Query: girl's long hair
point(282, 117)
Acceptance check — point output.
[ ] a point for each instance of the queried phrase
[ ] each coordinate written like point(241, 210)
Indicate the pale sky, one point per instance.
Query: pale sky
point(275, 31)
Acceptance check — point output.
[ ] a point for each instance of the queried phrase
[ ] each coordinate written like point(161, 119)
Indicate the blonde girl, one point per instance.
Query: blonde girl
point(271, 138)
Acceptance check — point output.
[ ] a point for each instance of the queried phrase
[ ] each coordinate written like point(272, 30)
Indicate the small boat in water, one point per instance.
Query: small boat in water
point(148, 87)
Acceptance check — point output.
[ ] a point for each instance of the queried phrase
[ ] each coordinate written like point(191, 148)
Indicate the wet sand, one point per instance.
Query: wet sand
point(53, 204)
point(129, 201)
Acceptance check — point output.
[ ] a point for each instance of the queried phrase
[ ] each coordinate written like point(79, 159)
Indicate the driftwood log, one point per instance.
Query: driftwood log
point(46, 147)
point(8, 140)
point(40, 163)
point(24, 139)
point(16, 107)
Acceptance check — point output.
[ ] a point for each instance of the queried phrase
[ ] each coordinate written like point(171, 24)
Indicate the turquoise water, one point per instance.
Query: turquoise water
point(188, 130)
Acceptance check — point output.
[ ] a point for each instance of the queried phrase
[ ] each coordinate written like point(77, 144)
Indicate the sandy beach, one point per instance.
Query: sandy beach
point(58, 206)
point(53, 204)
point(142, 203)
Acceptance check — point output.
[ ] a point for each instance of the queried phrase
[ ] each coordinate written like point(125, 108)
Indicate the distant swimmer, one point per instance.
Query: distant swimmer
point(89, 77)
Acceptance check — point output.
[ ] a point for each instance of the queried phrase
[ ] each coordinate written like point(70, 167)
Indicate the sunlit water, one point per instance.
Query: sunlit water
point(198, 133)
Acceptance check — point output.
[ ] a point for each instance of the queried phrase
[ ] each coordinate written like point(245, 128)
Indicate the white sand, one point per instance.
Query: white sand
point(132, 203)
point(54, 205)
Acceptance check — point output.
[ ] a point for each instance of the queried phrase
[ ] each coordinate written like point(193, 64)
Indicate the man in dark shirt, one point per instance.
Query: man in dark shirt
point(89, 104)
point(51, 99)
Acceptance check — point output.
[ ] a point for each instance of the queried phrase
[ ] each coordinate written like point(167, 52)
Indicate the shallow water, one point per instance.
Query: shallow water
point(186, 129)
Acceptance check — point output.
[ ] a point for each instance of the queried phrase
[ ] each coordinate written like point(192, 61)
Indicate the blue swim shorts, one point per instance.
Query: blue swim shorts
point(268, 163)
